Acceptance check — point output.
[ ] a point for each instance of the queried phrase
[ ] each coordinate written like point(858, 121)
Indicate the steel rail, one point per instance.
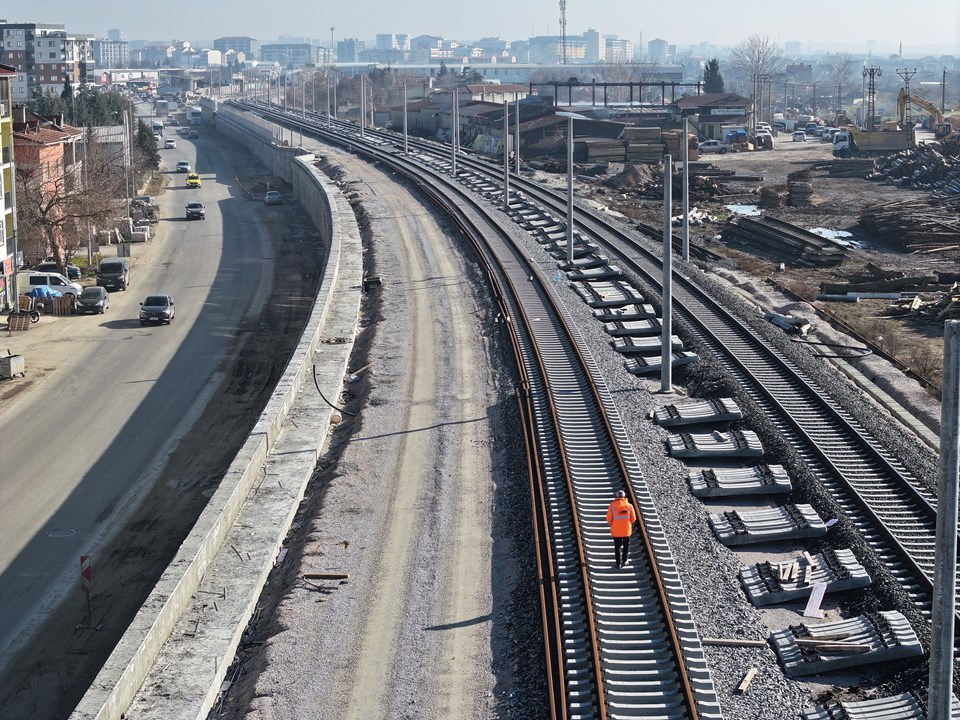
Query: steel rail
point(584, 372)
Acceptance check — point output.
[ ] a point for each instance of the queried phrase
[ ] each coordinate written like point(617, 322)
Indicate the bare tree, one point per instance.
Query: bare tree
point(840, 72)
point(54, 204)
point(757, 59)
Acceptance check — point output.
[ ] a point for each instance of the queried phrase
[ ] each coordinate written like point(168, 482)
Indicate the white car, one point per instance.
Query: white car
point(714, 146)
point(799, 136)
point(183, 167)
point(170, 144)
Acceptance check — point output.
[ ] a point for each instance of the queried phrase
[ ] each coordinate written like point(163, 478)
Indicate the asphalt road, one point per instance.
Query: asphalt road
point(82, 446)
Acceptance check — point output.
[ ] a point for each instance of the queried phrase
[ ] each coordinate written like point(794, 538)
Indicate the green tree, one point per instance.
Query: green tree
point(712, 79)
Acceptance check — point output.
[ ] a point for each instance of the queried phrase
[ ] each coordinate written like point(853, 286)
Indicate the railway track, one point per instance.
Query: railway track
point(893, 513)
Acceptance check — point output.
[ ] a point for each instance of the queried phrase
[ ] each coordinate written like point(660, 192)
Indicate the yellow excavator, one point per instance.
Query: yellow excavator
point(942, 130)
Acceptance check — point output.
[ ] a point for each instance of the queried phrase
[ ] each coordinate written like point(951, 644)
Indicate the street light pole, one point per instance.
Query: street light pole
point(686, 190)
point(570, 189)
point(666, 311)
point(406, 149)
point(506, 156)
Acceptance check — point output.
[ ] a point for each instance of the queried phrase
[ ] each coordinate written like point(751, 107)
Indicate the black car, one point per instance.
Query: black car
point(71, 272)
point(158, 309)
point(196, 211)
point(94, 299)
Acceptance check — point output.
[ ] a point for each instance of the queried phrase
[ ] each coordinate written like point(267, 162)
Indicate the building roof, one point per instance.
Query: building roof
point(42, 130)
point(7, 70)
point(712, 100)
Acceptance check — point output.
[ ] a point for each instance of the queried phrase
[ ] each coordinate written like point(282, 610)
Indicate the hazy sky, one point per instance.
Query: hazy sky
point(882, 23)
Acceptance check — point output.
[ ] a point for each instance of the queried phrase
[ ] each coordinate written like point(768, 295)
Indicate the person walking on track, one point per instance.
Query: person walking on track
point(620, 517)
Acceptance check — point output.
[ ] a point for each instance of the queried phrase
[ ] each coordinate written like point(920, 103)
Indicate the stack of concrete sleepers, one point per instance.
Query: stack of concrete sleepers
point(724, 482)
point(633, 328)
point(608, 293)
point(734, 444)
point(787, 522)
point(873, 638)
point(696, 410)
point(650, 345)
point(643, 311)
point(896, 707)
point(640, 365)
point(767, 583)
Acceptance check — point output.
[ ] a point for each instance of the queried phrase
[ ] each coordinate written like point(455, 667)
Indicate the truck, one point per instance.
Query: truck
point(161, 108)
point(195, 116)
point(854, 142)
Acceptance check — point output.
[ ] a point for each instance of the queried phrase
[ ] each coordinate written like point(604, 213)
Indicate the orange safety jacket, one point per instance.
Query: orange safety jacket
point(620, 517)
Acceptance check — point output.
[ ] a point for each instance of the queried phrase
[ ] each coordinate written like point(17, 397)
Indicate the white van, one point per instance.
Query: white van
point(27, 281)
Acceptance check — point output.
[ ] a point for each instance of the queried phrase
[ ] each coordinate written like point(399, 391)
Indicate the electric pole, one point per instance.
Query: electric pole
point(563, 32)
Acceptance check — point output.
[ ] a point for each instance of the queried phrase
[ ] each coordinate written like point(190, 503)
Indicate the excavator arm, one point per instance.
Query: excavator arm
point(919, 102)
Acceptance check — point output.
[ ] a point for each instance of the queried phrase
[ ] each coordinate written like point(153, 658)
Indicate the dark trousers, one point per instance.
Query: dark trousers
point(621, 546)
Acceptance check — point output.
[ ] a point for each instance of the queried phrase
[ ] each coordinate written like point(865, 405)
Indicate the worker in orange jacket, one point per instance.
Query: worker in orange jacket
point(620, 517)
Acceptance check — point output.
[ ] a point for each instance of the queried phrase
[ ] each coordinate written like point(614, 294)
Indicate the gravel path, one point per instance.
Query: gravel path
point(439, 617)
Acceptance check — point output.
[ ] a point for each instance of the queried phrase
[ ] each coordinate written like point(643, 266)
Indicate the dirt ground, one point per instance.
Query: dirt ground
point(836, 205)
point(56, 669)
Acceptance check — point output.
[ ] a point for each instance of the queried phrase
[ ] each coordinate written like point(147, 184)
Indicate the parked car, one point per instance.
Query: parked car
point(272, 197)
point(183, 167)
point(53, 281)
point(714, 146)
point(114, 273)
point(158, 309)
point(193, 134)
point(72, 272)
point(799, 136)
point(94, 299)
point(196, 211)
point(193, 180)
point(170, 144)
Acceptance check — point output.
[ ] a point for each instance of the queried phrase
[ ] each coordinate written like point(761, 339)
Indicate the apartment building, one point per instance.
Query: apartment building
point(249, 46)
point(45, 55)
point(111, 53)
point(8, 209)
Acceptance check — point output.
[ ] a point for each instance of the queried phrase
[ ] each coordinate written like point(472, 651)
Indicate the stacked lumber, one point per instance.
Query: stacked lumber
point(673, 142)
point(852, 168)
point(920, 225)
point(934, 307)
point(644, 152)
point(598, 150)
point(641, 134)
point(773, 196)
point(927, 167)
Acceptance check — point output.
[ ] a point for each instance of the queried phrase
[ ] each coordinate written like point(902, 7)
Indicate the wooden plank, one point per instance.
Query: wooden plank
point(733, 642)
point(812, 609)
point(810, 561)
point(748, 678)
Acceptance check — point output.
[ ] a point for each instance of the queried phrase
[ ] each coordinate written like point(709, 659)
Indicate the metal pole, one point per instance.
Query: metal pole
point(126, 158)
point(363, 104)
point(329, 120)
point(666, 312)
point(453, 132)
point(506, 156)
point(335, 83)
point(406, 149)
point(569, 189)
point(944, 574)
point(516, 143)
point(686, 191)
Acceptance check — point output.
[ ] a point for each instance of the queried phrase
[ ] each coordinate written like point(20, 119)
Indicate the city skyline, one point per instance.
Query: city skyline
point(881, 28)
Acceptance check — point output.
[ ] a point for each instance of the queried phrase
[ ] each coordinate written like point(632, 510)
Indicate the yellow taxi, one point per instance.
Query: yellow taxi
point(193, 180)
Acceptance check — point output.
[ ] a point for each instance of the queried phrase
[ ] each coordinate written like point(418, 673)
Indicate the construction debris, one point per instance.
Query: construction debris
point(922, 225)
point(852, 168)
point(927, 167)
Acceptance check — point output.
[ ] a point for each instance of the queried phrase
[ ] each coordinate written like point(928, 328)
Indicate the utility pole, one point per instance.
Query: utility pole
point(563, 32)
point(872, 73)
point(907, 107)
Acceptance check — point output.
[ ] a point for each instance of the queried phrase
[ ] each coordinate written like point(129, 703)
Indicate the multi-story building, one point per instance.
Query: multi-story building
point(619, 51)
point(349, 49)
point(249, 46)
point(8, 208)
point(290, 54)
point(115, 34)
point(596, 46)
point(549, 49)
point(47, 148)
point(111, 53)
point(657, 50)
point(45, 56)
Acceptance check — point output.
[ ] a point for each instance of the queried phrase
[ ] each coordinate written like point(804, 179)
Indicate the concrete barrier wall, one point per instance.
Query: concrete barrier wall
point(118, 681)
point(262, 138)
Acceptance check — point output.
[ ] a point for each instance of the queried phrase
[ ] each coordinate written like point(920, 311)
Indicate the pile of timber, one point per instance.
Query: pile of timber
point(599, 150)
point(927, 167)
point(921, 225)
point(784, 241)
point(646, 180)
point(852, 168)
point(799, 188)
point(773, 196)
